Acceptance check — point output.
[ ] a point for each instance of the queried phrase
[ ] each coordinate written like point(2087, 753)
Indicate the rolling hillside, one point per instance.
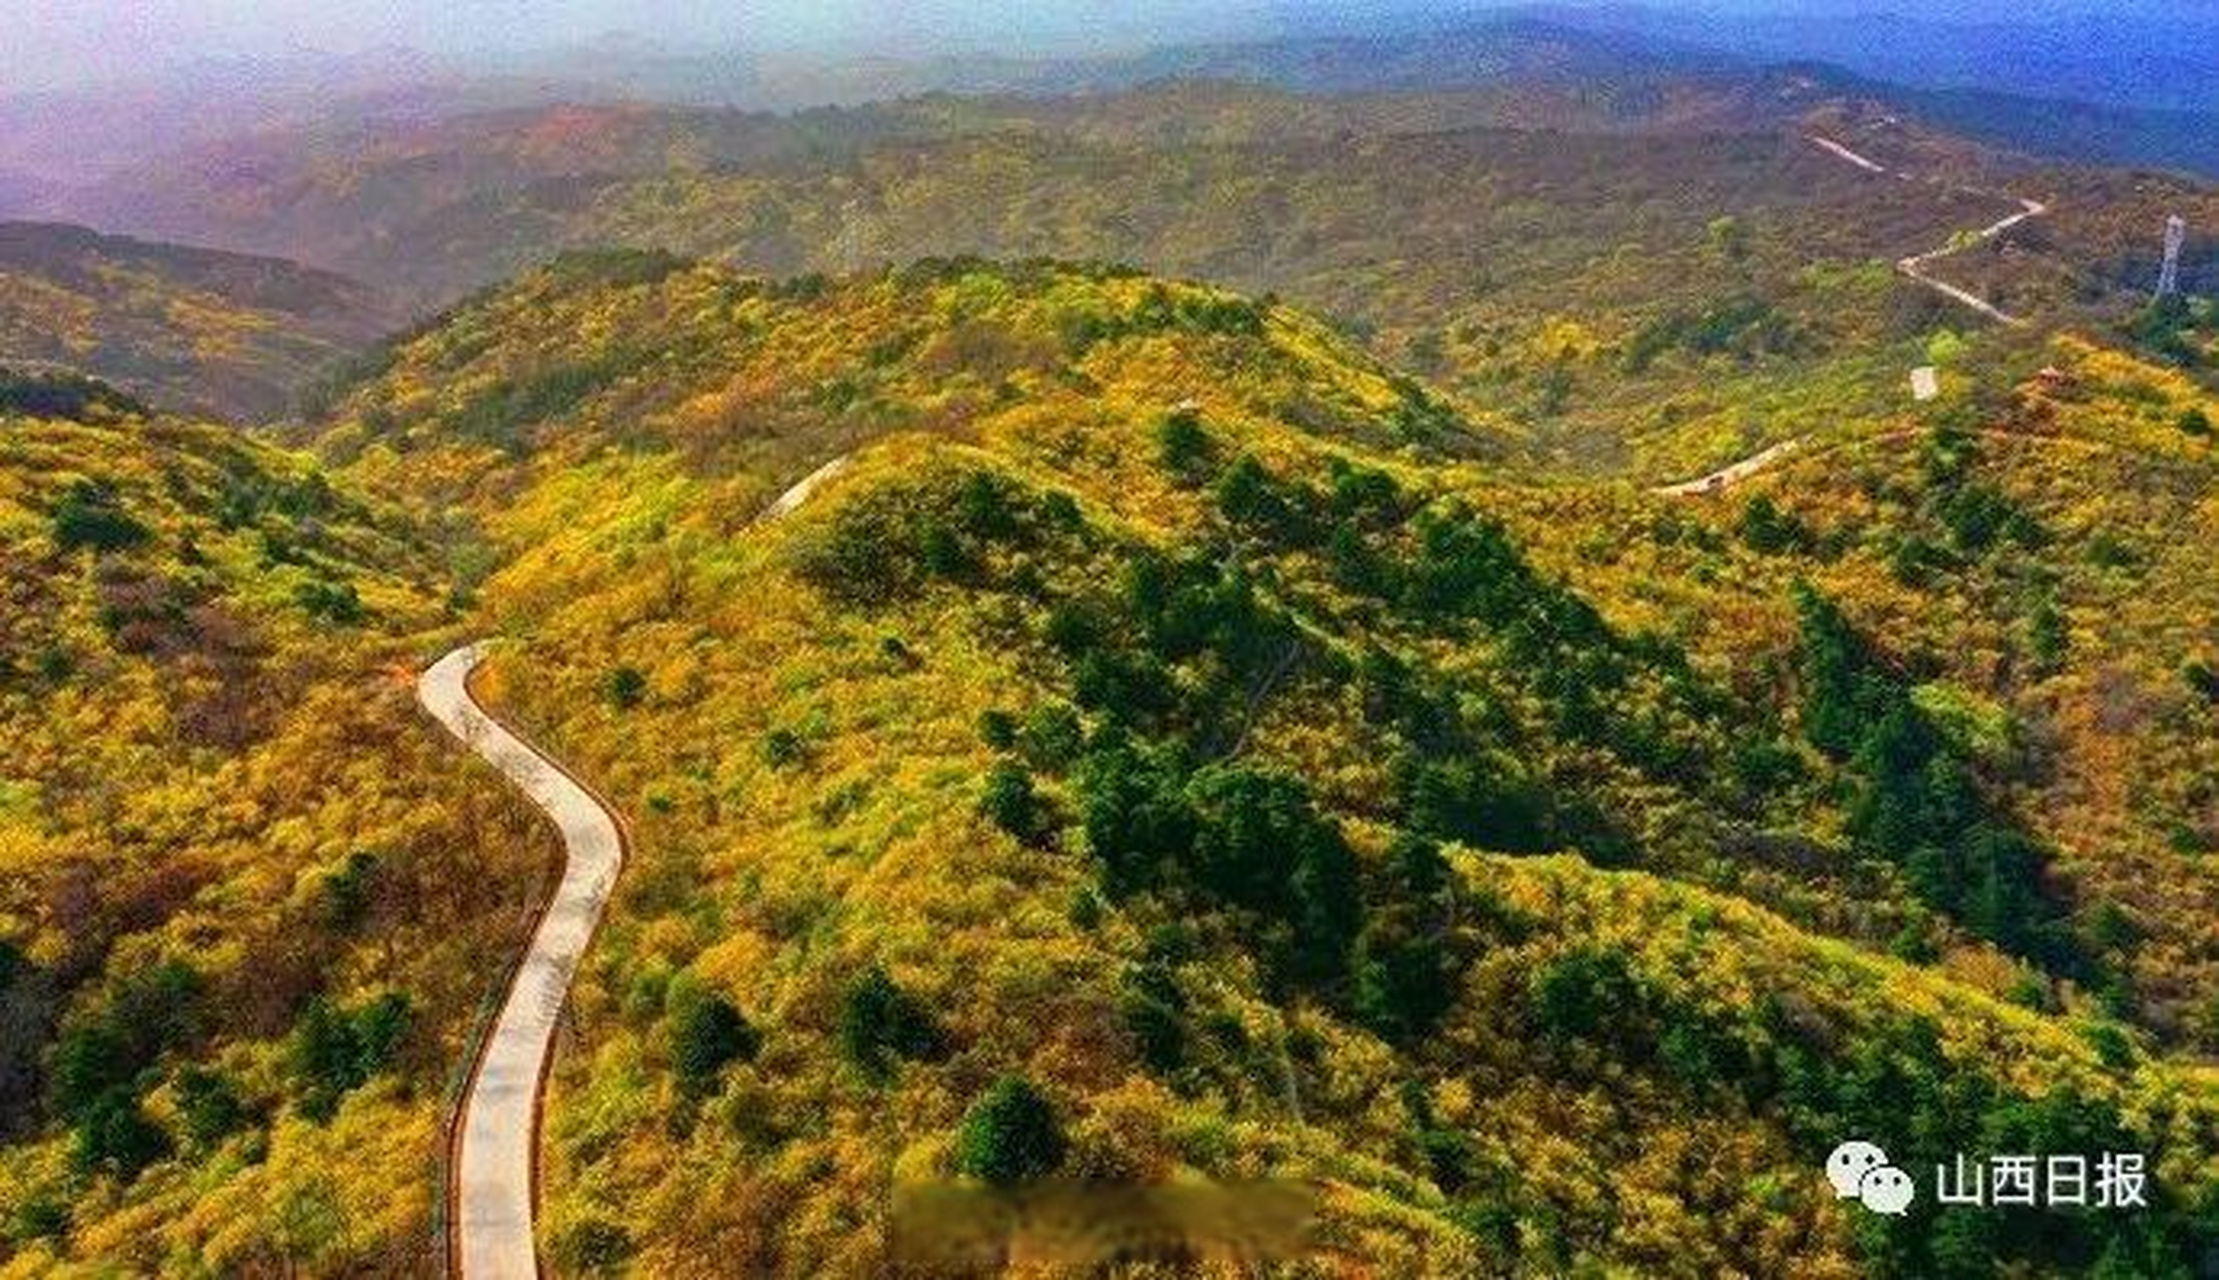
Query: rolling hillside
point(1619, 295)
point(187, 329)
point(246, 898)
point(1486, 635)
point(1169, 723)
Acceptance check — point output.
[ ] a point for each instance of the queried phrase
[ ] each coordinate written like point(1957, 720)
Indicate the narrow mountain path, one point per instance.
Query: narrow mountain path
point(1828, 144)
point(495, 1166)
point(1732, 473)
point(1721, 479)
point(496, 1163)
point(1915, 266)
point(792, 499)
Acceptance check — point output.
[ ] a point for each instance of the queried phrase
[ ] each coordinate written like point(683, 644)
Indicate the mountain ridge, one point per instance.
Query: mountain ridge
point(200, 330)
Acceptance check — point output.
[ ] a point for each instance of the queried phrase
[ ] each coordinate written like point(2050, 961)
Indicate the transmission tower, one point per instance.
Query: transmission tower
point(2168, 276)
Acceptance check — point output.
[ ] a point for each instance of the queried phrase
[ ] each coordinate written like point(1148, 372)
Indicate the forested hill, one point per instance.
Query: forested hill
point(1376, 612)
point(1625, 287)
point(1164, 749)
point(1619, 297)
point(187, 329)
point(645, 353)
point(244, 894)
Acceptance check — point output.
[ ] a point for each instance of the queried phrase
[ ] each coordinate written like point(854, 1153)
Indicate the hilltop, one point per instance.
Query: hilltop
point(188, 329)
point(633, 355)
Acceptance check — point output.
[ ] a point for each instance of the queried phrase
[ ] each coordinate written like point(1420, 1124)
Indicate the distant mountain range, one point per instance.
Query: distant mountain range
point(2066, 110)
point(426, 184)
point(2136, 91)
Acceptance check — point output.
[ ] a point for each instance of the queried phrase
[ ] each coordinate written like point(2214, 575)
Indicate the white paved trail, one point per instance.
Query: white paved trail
point(791, 500)
point(1845, 153)
point(1732, 474)
point(500, 1111)
point(493, 1178)
point(1915, 265)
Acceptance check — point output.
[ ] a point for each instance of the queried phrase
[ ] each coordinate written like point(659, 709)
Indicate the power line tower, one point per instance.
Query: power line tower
point(2168, 276)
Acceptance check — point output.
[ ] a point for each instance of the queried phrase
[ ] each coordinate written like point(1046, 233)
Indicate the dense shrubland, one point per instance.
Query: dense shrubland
point(1155, 756)
point(240, 929)
point(1182, 744)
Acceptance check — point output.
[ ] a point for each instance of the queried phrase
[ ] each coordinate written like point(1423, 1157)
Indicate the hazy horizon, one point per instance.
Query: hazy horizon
point(60, 44)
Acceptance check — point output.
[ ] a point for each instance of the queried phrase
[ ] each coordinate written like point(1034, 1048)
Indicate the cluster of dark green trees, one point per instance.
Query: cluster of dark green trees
point(111, 1056)
point(35, 394)
point(107, 1060)
point(1920, 799)
point(708, 1033)
point(883, 1024)
point(1895, 1086)
point(1174, 666)
point(26, 1021)
point(337, 1048)
point(142, 1031)
point(1970, 518)
point(2174, 328)
point(943, 526)
point(1174, 673)
point(1745, 327)
point(1919, 802)
point(91, 515)
point(1010, 1135)
point(503, 415)
point(1144, 770)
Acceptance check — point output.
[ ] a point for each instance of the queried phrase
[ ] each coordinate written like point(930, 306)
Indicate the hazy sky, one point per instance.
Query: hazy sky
point(51, 42)
point(59, 40)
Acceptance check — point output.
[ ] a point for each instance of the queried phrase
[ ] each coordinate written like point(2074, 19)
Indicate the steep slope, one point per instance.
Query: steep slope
point(187, 329)
point(1160, 751)
point(2024, 562)
point(248, 901)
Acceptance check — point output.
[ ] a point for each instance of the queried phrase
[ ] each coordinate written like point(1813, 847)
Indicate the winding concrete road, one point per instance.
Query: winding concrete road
point(493, 1178)
point(1915, 265)
point(495, 1165)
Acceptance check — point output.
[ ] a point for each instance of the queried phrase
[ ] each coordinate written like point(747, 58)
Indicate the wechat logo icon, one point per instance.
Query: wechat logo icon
point(1860, 1171)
